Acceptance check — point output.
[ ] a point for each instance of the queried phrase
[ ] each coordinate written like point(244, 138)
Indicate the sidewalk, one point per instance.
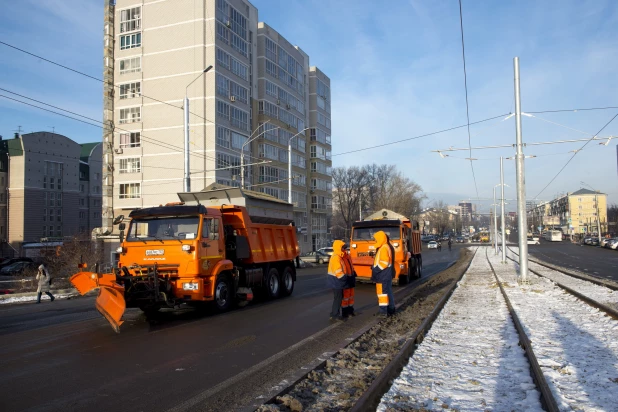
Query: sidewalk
point(470, 359)
point(31, 296)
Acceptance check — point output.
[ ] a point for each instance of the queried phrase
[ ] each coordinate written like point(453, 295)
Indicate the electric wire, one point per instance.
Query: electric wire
point(94, 78)
point(575, 154)
point(463, 55)
point(417, 137)
point(574, 110)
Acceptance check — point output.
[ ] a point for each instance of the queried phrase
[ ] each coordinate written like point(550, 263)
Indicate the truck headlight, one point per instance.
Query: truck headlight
point(186, 248)
point(190, 286)
point(120, 249)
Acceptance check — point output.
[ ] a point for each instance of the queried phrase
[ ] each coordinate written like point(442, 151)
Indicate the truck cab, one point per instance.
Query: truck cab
point(403, 238)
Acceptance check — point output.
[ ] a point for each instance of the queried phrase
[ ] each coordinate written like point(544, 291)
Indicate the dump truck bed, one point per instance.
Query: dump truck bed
point(266, 242)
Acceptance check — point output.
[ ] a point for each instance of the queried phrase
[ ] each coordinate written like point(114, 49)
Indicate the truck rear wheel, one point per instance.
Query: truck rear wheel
point(287, 281)
point(272, 283)
point(223, 294)
point(419, 267)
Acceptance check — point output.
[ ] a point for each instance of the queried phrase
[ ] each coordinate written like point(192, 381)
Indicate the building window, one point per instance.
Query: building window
point(129, 90)
point(130, 41)
point(223, 109)
point(271, 68)
point(81, 188)
point(130, 19)
point(271, 49)
point(82, 215)
point(239, 118)
point(130, 191)
point(130, 115)
point(130, 165)
point(131, 65)
point(132, 139)
point(82, 202)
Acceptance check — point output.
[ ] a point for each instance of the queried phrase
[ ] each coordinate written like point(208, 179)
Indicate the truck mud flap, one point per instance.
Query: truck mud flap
point(110, 303)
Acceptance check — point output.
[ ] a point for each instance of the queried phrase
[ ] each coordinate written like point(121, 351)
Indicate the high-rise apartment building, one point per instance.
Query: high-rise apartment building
point(52, 187)
point(257, 97)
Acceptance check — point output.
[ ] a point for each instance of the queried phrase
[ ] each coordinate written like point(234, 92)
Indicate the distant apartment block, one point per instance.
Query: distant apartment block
point(574, 213)
point(50, 187)
point(260, 95)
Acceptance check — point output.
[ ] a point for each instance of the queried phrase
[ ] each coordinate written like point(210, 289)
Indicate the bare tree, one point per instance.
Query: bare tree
point(348, 185)
point(390, 189)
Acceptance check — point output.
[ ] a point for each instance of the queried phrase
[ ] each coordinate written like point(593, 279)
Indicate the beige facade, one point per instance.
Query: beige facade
point(162, 46)
point(53, 187)
point(574, 213)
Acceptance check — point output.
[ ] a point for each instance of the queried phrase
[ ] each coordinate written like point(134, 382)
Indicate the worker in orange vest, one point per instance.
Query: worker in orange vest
point(338, 272)
point(347, 304)
point(383, 272)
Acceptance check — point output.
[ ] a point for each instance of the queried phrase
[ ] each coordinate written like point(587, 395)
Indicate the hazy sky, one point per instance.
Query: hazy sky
point(396, 72)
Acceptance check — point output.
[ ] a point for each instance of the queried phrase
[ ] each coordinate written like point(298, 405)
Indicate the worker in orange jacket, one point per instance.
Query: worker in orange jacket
point(383, 272)
point(347, 304)
point(338, 272)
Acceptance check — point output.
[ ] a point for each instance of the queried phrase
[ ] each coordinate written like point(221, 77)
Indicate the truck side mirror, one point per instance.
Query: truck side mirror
point(118, 219)
point(122, 226)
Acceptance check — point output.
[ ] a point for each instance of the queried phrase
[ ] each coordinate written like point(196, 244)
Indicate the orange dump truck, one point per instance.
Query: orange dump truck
point(404, 237)
point(220, 249)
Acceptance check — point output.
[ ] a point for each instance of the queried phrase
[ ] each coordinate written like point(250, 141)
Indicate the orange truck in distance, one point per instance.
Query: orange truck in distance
point(404, 237)
point(214, 247)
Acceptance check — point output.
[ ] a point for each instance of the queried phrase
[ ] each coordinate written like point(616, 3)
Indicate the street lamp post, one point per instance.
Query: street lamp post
point(502, 209)
point(187, 179)
point(290, 163)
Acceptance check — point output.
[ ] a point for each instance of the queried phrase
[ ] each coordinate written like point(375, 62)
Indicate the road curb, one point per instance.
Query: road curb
point(34, 294)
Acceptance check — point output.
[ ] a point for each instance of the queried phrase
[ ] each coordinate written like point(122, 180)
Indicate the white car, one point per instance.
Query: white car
point(533, 240)
point(432, 245)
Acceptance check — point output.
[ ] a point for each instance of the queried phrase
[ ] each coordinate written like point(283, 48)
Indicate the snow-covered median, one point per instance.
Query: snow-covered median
point(470, 359)
point(598, 293)
point(575, 344)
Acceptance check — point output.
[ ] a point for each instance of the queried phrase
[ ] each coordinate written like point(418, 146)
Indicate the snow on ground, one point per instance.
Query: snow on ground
point(575, 344)
point(470, 359)
point(32, 298)
point(600, 294)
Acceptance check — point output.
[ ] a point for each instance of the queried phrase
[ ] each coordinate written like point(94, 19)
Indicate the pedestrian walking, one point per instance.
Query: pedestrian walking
point(347, 304)
point(440, 246)
point(383, 272)
point(44, 279)
point(337, 278)
point(449, 244)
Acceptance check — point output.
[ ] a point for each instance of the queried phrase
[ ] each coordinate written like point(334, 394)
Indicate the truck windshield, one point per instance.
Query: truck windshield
point(366, 233)
point(163, 228)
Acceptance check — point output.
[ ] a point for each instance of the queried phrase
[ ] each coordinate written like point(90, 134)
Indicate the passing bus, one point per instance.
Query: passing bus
point(553, 236)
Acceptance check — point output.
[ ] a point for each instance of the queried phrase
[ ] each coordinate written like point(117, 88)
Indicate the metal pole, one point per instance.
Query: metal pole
point(187, 181)
point(242, 168)
point(522, 223)
point(502, 209)
point(596, 199)
point(495, 224)
point(290, 171)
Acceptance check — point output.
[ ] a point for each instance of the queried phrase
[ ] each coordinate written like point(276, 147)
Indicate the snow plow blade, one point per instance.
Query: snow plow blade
point(110, 303)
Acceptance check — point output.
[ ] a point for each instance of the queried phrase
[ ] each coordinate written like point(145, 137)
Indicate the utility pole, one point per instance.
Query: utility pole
point(522, 224)
point(596, 200)
point(495, 224)
point(502, 209)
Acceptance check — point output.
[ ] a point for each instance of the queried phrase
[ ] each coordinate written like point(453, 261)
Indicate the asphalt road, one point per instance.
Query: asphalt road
point(593, 260)
point(64, 356)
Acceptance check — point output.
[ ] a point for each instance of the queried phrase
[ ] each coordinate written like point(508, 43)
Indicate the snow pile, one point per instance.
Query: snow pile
point(598, 293)
point(575, 344)
point(33, 297)
point(470, 359)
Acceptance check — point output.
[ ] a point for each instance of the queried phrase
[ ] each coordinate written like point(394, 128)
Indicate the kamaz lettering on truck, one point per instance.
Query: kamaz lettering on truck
point(405, 239)
point(218, 250)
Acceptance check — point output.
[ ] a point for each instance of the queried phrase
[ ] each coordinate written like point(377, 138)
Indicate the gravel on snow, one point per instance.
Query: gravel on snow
point(470, 359)
point(351, 371)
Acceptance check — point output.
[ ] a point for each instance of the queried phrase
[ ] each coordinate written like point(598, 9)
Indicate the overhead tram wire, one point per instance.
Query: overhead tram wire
point(419, 136)
point(574, 110)
point(102, 81)
point(147, 139)
point(575, 154)
point(94, 78)
point(463, 55)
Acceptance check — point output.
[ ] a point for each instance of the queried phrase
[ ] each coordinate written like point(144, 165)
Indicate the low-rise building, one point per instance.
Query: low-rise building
point(53, 188)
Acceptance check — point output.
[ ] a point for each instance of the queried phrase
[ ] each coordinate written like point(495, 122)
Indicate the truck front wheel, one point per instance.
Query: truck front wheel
point(223, 294)
point(287, 281)
point(272, 283)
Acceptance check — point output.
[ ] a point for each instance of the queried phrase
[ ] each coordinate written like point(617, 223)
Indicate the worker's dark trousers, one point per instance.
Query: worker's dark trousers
point(337, 298)
point(38, 297)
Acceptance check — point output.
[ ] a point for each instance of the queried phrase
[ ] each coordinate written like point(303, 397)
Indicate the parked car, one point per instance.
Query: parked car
point(315, 257)
point(326, 250)
point(614, 244)
point(9, 262)
point(432, 245)
point(18, 268)
point(460, 239)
